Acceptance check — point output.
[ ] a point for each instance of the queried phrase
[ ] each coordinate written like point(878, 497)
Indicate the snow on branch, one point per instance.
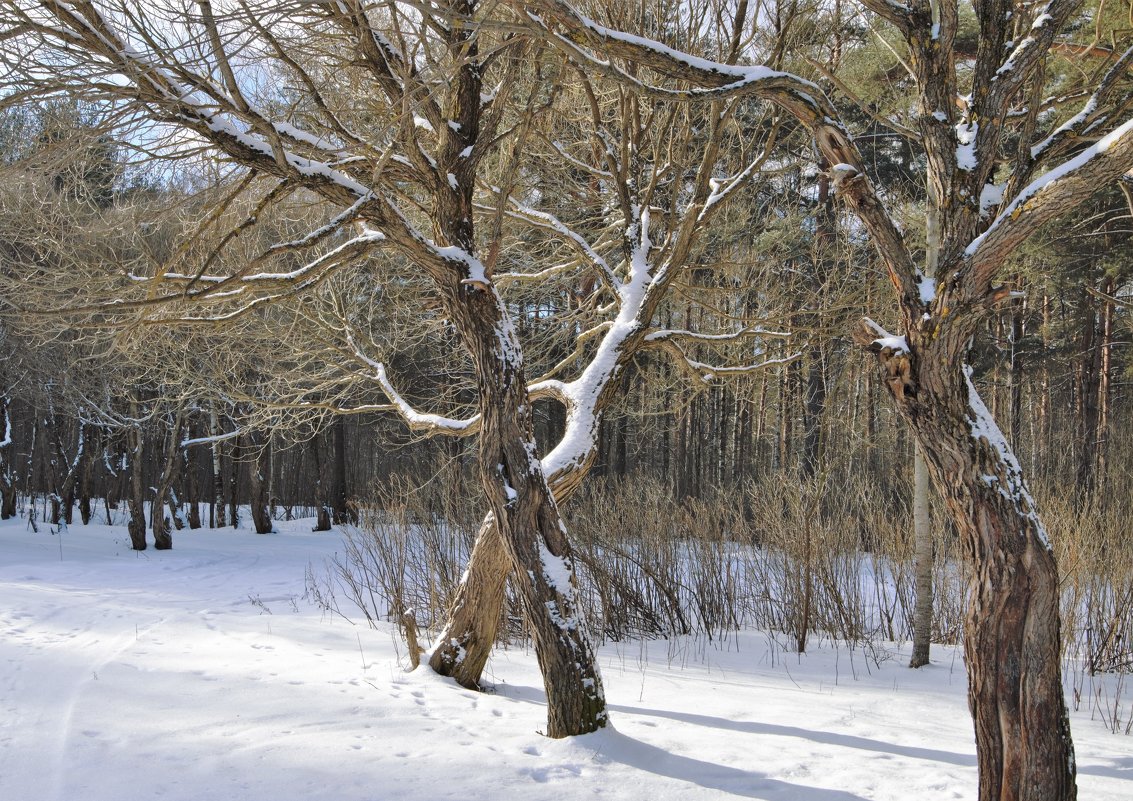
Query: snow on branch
point(417, 421)
point(722, 190)
point(195, 102)
point(677, 333)
point(1088, 119)
point(7, 440)
point(549, 222)
point(705, 373)
point(1048, 196)
point(802, 99)
point(582, 165)
point(1035, 44)
point(711, 79)
point(213, 439)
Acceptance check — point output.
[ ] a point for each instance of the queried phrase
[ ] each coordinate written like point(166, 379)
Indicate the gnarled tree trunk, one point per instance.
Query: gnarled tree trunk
point(1012, 629)
point(470, 631)
point(527, 517)
point(922, 559)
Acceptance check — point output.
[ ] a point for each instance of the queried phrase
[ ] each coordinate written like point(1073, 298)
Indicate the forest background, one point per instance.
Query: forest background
point(191, 320)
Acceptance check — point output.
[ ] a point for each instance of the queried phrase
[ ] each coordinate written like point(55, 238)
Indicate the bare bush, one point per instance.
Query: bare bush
point(407, 552)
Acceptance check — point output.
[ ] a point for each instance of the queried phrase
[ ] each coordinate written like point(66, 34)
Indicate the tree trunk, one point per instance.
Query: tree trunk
point(136, 500)
point(161, 525)
point(192, 482)
point(216, 448)
point(1105, 371)
point(1088, 371)
point(813, 406)
point(344, 511)
point(7, 474)
point(470, 631)
point(529, 523)
point(1012, 629)
point(322, 502)
point(63, 495)
point(257, 481)
point(86, 464)
point(922, 544)
point(235, 458)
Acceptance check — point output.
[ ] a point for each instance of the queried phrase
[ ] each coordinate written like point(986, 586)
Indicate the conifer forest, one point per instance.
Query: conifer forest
point(579, 323)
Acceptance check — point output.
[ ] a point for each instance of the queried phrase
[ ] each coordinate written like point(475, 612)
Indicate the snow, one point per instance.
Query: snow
point(411, 416)
point(741, 75)
point(990, 196)
point(897, 344)
point(1014, 489)
point(966, 145)
point(580, 436)
point(202, 672)
point(1068, 167)
point(926, 288)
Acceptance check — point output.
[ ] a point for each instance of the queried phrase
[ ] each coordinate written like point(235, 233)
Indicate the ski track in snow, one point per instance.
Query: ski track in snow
point(201, 673)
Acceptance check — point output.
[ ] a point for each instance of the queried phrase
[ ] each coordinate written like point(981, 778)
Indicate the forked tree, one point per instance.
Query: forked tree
point(996, 173)
point(662, 172)
point(398, 109)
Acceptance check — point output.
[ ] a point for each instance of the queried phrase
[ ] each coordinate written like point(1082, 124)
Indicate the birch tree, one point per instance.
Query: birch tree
point(996, 173)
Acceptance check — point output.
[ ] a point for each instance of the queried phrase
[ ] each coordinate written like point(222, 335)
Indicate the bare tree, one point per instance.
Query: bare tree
point(402, 154)
point(1012, 633)
point(666, 172)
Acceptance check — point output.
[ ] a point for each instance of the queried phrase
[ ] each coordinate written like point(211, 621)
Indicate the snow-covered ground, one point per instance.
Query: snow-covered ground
point(202, 674)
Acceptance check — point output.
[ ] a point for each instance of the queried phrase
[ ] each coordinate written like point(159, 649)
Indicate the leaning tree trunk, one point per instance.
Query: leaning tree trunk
point(470, 632)
point(527, 516)
point(1012, 630)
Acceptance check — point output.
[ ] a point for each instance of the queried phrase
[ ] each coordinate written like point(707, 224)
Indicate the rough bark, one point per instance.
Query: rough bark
point(466, 642)
point(523, 508)
point(1012, 628)
point(922, 558)
point(530, 526)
